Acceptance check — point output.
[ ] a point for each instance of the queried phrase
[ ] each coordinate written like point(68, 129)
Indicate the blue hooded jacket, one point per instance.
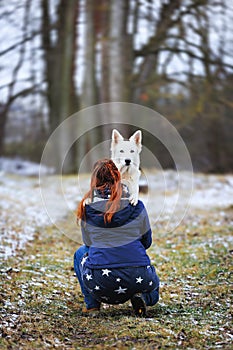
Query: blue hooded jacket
point(120, 243)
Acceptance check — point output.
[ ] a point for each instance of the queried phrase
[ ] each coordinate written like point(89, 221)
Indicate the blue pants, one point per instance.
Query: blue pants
point(115, 286)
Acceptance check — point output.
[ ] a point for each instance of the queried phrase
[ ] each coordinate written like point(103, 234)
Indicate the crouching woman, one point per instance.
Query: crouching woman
point(112, 266)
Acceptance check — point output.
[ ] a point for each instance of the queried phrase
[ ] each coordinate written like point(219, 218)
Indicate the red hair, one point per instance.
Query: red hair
point(105, 176)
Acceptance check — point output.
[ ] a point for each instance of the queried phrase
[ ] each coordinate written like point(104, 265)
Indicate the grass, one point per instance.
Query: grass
point(41, 299)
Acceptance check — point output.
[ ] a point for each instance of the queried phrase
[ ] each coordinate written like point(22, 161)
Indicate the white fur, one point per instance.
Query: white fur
point(125, 154)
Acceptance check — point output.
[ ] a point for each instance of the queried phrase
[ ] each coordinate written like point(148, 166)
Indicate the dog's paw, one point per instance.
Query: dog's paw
point(133, 200)
point(87, 201)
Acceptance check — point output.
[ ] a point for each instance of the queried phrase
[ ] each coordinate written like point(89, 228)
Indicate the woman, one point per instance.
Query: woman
point(113, 267)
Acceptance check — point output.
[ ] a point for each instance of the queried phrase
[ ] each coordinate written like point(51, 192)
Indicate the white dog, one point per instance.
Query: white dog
point(125, 154)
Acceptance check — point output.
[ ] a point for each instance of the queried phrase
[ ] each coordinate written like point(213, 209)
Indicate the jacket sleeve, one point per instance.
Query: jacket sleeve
point(146, 238)
point(85, 236)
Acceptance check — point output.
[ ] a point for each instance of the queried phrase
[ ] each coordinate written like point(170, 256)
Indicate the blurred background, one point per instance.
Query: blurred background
point(174, 56)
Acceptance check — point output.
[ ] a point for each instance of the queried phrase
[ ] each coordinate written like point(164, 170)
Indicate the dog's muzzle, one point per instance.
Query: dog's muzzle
point(127, 162)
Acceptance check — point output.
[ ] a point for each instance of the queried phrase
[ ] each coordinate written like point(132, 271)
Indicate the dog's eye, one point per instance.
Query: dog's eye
point(132, 151)
point(122, 151)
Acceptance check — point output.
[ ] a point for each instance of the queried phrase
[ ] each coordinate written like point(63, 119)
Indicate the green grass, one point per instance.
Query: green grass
point(41, 299)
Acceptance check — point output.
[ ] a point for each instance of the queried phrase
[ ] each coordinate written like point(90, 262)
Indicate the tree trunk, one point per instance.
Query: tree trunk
point(88, 141)
point(3, 120)
point(118, 55)
point(89, 89)
point(117, 62)
point(150, 51)
point(104, 43)
point(59, 71)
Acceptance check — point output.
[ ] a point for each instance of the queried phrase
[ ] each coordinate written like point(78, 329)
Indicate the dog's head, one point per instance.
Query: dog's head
point(125, 153)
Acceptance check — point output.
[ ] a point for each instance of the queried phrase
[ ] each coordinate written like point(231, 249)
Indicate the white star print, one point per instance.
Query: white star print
point(88, 277)
point(105, 272)
point(148, 266)
point(139, 279)
point(150, 283)
point(120, 290)
point(118, 279)
point(83, 260)
point(97, 288)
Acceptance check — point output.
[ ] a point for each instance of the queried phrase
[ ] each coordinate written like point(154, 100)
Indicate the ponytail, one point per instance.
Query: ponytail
point(105, 176)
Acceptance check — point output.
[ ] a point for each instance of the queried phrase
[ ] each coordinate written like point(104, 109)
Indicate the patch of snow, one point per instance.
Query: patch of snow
point(171, 196)
point(213, 191)
point(23, 210)
point(17, 225)
point(22, 167)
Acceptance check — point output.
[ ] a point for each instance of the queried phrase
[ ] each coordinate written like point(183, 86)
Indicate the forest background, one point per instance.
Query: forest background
point(59, 57)
point(173, 56)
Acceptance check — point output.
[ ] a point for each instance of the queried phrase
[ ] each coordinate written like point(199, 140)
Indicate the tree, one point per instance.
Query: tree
point(59, 59)
point(150, 51)
point(156, 53)
point(13, 89)
point(116, 59)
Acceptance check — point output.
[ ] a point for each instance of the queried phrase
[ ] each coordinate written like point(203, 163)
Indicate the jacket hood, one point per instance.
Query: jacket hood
point(95, 213)
point(128, 224)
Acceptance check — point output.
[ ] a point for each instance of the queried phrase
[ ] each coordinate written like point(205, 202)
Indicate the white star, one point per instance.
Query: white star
point(150, 283)
point(139, 279)
point(105, 272)
point(120, 290)
point(97, 288)
point(83, 260)
point(148, 266)
point(118, 279)
point(88, 277)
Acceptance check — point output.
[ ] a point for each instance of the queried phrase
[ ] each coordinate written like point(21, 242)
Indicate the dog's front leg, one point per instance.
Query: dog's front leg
point(134, 188)
point(134, 194)
point(131, 190)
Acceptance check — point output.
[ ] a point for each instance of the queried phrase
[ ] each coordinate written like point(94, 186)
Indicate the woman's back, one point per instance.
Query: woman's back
point(123, 241)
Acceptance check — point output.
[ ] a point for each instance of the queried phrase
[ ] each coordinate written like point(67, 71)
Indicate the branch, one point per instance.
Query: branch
point(23, 93)
point(14, 46)
point(225, 102)
point(164, 24)
point(177, 51)
point(21, 52)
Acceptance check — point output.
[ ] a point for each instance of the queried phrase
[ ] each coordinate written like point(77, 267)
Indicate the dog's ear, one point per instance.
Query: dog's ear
point(137, 138)
point(116, 136)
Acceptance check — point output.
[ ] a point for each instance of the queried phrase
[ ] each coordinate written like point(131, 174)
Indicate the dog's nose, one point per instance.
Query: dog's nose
point(127, 161)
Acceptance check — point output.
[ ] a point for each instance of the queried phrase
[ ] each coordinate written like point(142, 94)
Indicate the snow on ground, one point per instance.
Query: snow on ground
point(31, 198)
point(170, 197)
point(174, 195)
point(23, 212)
point(22, 167)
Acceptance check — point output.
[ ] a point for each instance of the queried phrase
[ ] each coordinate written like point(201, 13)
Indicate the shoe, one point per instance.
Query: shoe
point(139, 305)
point(92, 311)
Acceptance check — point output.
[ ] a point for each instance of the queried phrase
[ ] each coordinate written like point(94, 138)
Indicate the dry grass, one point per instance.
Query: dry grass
point(41, 300)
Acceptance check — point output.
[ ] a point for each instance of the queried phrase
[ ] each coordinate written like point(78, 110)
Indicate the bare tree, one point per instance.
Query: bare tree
point(59, 59)
point(130, 51)
point(150, 51)
point(89, 87)
point(12, 91)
